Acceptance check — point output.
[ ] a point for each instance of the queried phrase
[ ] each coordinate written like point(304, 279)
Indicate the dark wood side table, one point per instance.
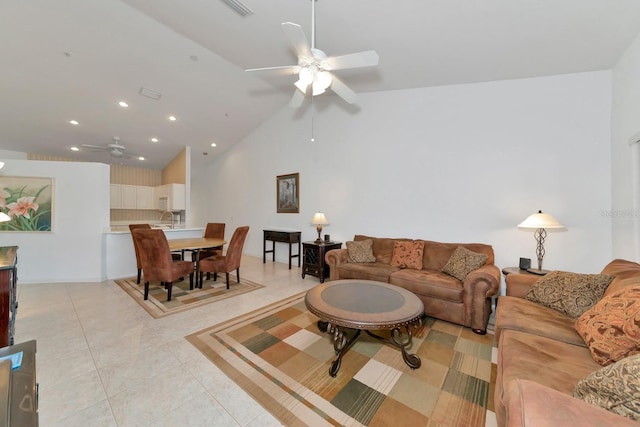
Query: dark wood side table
point(313, 260)
point(531, 272)
point(274, 236)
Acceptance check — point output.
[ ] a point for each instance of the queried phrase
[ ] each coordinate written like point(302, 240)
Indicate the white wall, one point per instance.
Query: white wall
point(453, 163)
point(625, 123)
point(73, 252)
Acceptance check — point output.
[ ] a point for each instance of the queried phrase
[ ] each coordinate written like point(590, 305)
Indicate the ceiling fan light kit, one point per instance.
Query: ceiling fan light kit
point(313, 68)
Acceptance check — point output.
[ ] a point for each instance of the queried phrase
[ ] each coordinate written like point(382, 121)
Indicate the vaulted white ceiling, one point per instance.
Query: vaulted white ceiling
point(75, 59)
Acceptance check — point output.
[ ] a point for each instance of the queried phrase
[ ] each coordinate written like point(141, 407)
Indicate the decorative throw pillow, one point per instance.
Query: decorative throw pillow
point(569, 293)
point(361, 251)
point(615, 388)
point(611, 328)
point(462, 262)
point(408, 254)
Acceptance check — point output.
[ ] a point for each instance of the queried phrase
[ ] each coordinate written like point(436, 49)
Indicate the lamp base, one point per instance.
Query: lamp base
point(319, 230)
point(537, 271)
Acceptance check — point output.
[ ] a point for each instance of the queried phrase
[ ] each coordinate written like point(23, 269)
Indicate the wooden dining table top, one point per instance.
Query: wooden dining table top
point(193, 243)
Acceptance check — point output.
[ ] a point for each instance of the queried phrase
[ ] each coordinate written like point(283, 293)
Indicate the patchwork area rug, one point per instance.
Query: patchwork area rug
point(181, 297)
point(278, 356)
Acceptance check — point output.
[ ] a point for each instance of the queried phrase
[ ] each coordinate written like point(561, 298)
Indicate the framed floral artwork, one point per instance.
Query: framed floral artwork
point(28, 201)
point(288, 193)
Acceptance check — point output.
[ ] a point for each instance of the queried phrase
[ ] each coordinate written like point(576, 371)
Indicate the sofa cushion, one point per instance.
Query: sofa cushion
point(522, 315)
point(462, 262)
point(611, 328)
point(408, 254)
point(437, 254)
point(366, 271)
point(382, 247)
point(615, 388)
point(546, 361)
point(429, 283)
point(361, 251)
point(569, 293)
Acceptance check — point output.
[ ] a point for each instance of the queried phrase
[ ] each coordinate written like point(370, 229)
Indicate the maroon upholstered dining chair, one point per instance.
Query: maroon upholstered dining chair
point(214, 230)
point(228, 262)
point(157, 263)
point(135, 246)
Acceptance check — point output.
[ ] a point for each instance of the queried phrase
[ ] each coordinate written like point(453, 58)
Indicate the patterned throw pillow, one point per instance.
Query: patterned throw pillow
point(615, 388)
point(569, 293)
point(611, 328)
point(462, 262)
point(361, 251)
point(408, 254)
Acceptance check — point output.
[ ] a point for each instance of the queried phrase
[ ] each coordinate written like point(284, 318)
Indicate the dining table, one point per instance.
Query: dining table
point(195, 244)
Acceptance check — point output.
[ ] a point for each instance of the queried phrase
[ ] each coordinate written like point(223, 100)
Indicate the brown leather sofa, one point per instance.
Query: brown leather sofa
point(466, 303)
point(541, 358)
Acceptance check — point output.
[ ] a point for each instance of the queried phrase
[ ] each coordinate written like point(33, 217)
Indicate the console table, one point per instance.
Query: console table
point(274, 236)
point(8, 294)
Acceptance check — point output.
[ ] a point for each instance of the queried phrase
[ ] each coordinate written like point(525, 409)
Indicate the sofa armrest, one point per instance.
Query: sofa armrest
point(533, 404)
point(518, 285)
point(334, 258)
point(479, 286)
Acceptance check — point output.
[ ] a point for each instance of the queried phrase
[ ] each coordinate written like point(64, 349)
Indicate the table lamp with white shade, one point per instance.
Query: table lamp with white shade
point(540, 221)
point(319, 219)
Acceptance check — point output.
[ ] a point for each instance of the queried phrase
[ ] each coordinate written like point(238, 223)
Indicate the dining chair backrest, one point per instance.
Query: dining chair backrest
point(155, 256)
point(214, 230)
point(135, 246)
point(234, 250)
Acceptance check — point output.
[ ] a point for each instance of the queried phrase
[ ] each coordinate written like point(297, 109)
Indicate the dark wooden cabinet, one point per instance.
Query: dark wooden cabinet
point(8, 295)
point(313, 258)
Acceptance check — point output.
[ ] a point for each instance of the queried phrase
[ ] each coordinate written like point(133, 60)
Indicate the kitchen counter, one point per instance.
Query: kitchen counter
point(124, 229)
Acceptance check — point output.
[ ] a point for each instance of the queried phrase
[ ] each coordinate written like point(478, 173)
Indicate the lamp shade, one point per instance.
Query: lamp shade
point(4, 217)
point(319, 219)
point(540, 220)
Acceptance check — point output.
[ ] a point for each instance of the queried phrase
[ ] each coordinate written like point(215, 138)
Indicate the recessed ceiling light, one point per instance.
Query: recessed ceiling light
point(154, 139)
point(140, 158)
point(172, 118)
point(74, 148)
point(123, 104)
point(74, 122)
point(213, 144)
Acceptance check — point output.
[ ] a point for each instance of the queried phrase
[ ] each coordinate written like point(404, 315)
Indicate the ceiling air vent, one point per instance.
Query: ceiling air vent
point(238, 7)
point(150, 93)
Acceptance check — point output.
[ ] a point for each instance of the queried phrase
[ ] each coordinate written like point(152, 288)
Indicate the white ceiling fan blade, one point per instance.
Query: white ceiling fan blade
point(99, 147)
point(342, 90)
point(296, 99)
point(297, 39)
point(293, 68)
point(368, 58)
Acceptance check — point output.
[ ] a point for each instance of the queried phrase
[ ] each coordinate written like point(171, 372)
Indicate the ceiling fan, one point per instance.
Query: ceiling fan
point(114, 149)
point(314, 66)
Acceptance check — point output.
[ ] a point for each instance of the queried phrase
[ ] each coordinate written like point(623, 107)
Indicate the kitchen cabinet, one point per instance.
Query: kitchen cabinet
point(129, 195)
point(170, 197)
point(115, 196)
point(124, 196)
point(144, 198)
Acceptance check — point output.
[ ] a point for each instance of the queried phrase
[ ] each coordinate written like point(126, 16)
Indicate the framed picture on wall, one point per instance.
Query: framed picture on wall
point(288, 193)
point(28, 201)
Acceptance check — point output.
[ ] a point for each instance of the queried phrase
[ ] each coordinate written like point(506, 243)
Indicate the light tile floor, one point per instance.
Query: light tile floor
point(102, 360)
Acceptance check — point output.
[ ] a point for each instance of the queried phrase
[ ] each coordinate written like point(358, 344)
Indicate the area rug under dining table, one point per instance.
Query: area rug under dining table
point(182, 297)
point(278, 356)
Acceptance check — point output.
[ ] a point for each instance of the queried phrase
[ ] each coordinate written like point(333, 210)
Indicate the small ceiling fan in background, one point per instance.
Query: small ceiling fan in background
point(314, 66)
point(114, 149)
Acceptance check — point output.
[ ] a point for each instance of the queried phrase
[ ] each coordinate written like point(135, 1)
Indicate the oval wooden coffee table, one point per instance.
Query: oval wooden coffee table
point(365, 305)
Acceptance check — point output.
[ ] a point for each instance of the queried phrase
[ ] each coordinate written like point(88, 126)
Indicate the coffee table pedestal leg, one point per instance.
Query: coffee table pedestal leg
point(340, 343)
